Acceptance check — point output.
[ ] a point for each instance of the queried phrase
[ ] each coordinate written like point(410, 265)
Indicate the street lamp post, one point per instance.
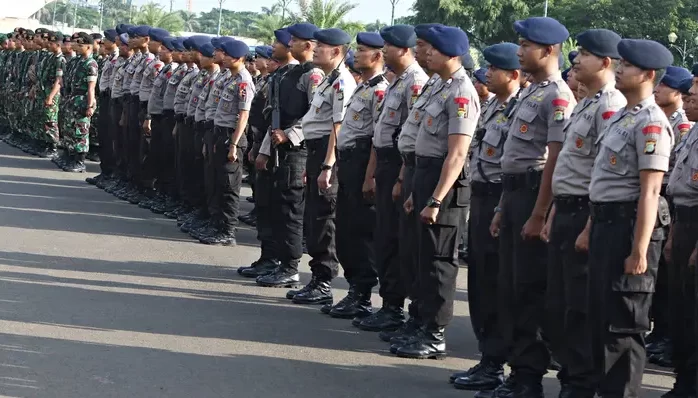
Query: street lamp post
point(684, 51)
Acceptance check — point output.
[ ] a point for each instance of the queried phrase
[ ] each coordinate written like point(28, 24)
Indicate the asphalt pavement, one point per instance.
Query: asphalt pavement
point(99, 298)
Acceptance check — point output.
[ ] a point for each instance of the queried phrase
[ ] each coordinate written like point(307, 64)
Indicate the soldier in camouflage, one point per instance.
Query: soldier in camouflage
point(50, 81)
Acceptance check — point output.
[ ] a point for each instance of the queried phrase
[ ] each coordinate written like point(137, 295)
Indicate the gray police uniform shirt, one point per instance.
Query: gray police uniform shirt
point(214, 96)
point(634, 140)
point(683, 182)
point(486, 152)
point(310, 81)
point(363, 111)
point(202, 98)
point(118, 76)
point(235, 97)
point(680, 126)
point(328, 105)
point(453, 108)
point(137, 78)
point(150, 74)
point(408, 134)
point(181, 100)
point(128, 70)
point(106, 76)
point(400, 97)
point(156, 102)
point(572, 173)
point(543, 108)
point(200, 82)
point(176, 76)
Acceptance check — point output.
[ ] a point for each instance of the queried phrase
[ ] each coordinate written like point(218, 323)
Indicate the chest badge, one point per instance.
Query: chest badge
point(579, 143)
point(523, 129)
point(490, 152)
point(416, 115)
point(613, 160)
point(650, 146)
point(391, 114)
point(430, 121)
point(355, 117)
point(694, 177)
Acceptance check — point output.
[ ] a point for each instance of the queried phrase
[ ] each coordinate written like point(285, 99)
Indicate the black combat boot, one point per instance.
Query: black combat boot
point(488, 376)
point(389, 317)
point(318, 292)
point(282, 276)
point(432, 345)
point(77, 165)
point(357, 304)
point(261, 267)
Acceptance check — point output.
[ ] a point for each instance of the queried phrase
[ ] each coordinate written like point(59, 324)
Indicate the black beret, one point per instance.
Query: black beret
point(370, 39)
point(600, 42)
point(123, 28)
point(124, 38)
point(566, 74)
point(502, 56)
point(694, 70)
point(303, 30)
point(572, 55)
point(542, 30)
point(139, 31)
point(178, 44)
point(55, 37)
point(402, 36)
point(207, 49)
point(263, 51)
point(645, 54)
point(84, 39)
point(674, 76)
point(332, 37)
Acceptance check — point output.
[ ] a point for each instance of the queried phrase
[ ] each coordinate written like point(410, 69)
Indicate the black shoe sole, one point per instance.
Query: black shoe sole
point(343, 316)
point(438, 356)
point(289, 285)
point(483, 387)
point(376, 329)
point(319, 302)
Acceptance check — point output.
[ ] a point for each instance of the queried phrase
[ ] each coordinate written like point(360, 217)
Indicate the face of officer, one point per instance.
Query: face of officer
point(533, 56)
point(234, 63)
point(420, 52)
point(165, 55)
point(154, 46)
point(437, 62)
point(588, 65)
point(499, 81)
point(690, 105)
point(629, 76)
point(324, 55)
point(84, 49)
point(219, 56)
point(481, 89)
point(260, 63)
point(367, 57)
point(572, 80)
point(582, 91)
point(206, 62)
point(54, 47)
point(392, 54)
point(300, 46)
point(272, 66)
point(278, 51)
point(665, 96)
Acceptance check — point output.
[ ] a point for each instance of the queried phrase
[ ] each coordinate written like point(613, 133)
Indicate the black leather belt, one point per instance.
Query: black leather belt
point(388, 154)
point(485, 189)
point(613, 211)
point(427, 162)
point(409, 159)
point(520, 181)
point(569, 203)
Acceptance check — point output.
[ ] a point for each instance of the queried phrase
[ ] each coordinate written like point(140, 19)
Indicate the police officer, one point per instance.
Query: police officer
point(356, 213)
point(399, 99)
point(480, 84)
point(685, 88)
point(566, 312)
point(668, 96)
point(503, 80)
point(627, 217)
point(291, 89)
point(533, 142)
point(681, 251)
point(441, 187)
point(230, 119)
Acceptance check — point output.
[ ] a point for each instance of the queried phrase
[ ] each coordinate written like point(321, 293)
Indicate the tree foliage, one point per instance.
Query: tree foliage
point(152, 14)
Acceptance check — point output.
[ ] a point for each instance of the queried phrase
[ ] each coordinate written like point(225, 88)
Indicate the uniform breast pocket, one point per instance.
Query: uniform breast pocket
point(355, 116)
point(614, 155)
point(435, 119)
point(392, 110)
point(158, 82)
point(227, 101)
point(130, 70)
point(583, 139)
point(693, 173)
point(492, 144)
point(118, 77)
point(526, 129)
point(317, 102)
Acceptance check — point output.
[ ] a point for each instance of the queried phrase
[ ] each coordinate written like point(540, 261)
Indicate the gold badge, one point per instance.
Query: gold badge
point(356, 117)
point(490, 152)
point(579, 143)
point(523, 129)
point(416, 115)
point(613, 160)
point(694, 177)
point(429, 121)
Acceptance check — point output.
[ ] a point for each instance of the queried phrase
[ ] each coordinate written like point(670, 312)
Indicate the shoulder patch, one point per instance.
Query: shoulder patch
point(339, 85)
point(684, 128)
point(652, 129)
point(607, 115)
point(560, 103)
point(462, 103)
point(380, 94)
point(650, 146)
point(315, 79)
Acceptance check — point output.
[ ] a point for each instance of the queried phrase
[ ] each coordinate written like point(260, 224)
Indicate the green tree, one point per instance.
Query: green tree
point(152, 14)
point(375, 26)
point(190, 20)
point(265, 25)
point(324, 13)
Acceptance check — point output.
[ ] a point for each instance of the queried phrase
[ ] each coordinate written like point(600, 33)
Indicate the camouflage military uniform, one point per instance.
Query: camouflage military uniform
point(64, 108)
point(51, 70)
point(78, 137)
point(94, 142)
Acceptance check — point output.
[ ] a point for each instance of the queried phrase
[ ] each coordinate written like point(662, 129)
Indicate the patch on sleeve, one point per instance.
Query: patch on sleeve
point(560, 104)
point(380, 94)
point(650, 146)
point(462, 103)
point(652, 129)
point(684, 128)
point(315, 79)
point(339, 85)
point(607, 115)
point(157, 66)
point(168, 74)
point(242, 90)
point(416, 88)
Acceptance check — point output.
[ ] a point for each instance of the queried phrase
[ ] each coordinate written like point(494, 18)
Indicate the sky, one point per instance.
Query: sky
point(367, 10)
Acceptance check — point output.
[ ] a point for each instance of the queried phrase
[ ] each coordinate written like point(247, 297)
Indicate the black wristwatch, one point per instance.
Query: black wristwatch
point(433, 203)
point(325, 166)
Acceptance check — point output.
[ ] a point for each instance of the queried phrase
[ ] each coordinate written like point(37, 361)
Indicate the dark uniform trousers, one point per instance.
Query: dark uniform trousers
point(567, 325)
point(484, 260)
point(227, 178)
point(437, 254)
point(263, 202)
point(185, 158)
point(392, 287)
point(152, 163)
point(107, 155)
point(166, 166)
point(209, 176)
point(198, 185)
point(619, 304)
point(320, 211)
point(524, 261)
point(659, 313)
point(356, 218)
point(145, 165)
point(287, 206)
point(682, 299)
point(407, 236)
point(133, 137)
point(117, 134)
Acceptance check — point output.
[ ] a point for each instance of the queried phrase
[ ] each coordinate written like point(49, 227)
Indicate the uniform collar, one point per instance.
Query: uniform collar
point(643, 104)
point(678, 114)
point(555, 76)
point(611, 85)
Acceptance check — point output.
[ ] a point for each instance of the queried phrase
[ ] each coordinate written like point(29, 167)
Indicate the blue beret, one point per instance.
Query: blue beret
point(542, 30)
point(139, 31)
point(467, 61)
point(371, 39)
point(674, 76)
point(167, 43)
point(480, 75)
point(572, 55)
point(195, 42)
point(124, 38)
point(566, 74)
point(282, 36)
point(600, 42)
point(158, 34)
point(262, 51)
point(686, 85)
point(110, 34)
point(178, 44)
point(123, 28)
point(502, 56)
point(235, 48)
point(448, 40)
point(402, 36)
point(421, 29)
point(219, 41)
point(303, 30)
point(206, 49)
point(332, 37)
point(645, 54)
